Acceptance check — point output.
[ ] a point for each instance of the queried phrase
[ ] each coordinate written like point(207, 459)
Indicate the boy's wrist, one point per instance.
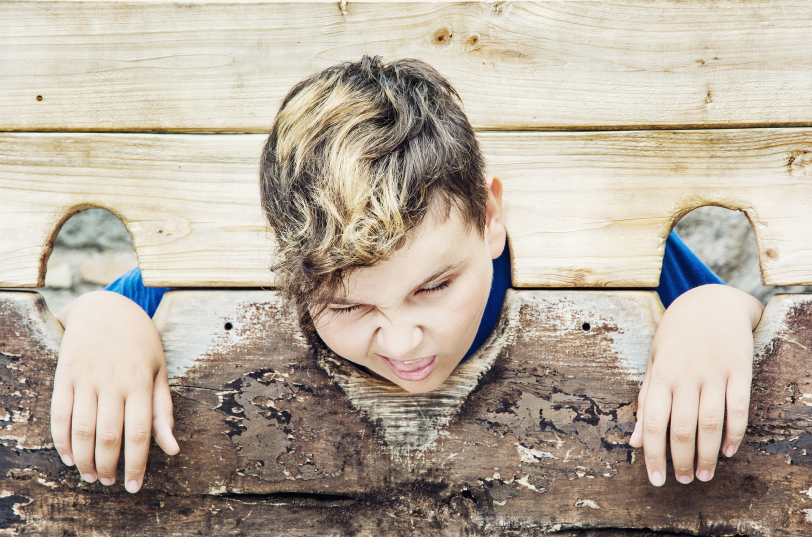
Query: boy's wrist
point(720, 296)
point(101, 306)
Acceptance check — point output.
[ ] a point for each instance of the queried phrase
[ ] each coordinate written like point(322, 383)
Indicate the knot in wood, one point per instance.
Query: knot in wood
point(800, 164)
point(442, 36)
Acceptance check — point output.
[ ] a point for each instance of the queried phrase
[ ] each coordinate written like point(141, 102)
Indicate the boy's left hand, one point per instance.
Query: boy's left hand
point(701, 362)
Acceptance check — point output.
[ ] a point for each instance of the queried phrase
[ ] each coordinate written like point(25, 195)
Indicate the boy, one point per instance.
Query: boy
point(391, 244)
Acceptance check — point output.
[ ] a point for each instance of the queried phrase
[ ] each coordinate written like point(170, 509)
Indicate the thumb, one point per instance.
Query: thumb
point(162, 419)
point(636, 440)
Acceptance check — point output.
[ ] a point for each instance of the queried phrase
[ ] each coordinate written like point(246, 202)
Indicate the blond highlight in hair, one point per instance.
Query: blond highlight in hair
point(357, 157)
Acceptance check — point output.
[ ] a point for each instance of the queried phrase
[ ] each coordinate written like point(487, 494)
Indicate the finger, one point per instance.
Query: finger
point(738, 406)
point(83, 433)
point(162, 420)
point(137, 422)
point(61, 411)
point(109, 424)
point(636, 440)
point(683, 432)
point(655, 424)
point(709, 434)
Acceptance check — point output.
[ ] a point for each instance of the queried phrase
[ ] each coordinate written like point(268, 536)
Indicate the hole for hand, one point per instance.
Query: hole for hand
point(91, 249)
point(39, 97)
point(229, 326)
point(585, 327)
point(724, 240)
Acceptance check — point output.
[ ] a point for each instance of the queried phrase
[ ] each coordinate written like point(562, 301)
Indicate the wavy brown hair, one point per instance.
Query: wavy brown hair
point(357, 157)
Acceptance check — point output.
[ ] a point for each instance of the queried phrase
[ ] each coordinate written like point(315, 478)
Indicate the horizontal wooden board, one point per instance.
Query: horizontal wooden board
point(225, 66)
point(274, 430)
point(583, 209)
point(190, 203)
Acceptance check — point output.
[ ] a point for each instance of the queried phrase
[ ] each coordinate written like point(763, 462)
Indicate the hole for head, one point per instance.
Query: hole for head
point(39, 97)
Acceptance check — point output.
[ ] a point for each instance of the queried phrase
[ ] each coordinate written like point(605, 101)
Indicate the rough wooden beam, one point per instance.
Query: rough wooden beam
point(273, 428)
point(225, 66)
point(583, 209)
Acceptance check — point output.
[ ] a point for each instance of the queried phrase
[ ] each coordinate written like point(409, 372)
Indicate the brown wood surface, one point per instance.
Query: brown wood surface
point(276, 438)
point(225, 66)
point(588, 209)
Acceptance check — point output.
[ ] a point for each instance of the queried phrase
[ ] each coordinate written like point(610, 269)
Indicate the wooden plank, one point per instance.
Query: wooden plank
point(190, 203)
point(594, 209)
point(225, 66)
point(583, 209)
point(275, 431)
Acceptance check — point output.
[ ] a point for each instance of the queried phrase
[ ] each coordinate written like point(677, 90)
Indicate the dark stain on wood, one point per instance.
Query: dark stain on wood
point(269, 439)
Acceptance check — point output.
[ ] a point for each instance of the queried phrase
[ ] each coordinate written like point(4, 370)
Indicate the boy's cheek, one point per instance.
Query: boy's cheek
point(341, 340)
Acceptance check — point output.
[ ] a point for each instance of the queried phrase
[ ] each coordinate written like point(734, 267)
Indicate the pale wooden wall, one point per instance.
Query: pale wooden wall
point(573, 200)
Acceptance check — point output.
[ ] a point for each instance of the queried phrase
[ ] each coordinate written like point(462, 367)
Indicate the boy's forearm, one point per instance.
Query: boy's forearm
point(715, 296)
point(106, 308)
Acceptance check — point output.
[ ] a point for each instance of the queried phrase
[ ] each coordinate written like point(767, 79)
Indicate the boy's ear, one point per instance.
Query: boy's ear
point(495, 232)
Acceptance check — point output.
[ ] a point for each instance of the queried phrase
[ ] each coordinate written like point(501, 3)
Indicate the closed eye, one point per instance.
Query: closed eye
point(435, 287)
point(346, 309)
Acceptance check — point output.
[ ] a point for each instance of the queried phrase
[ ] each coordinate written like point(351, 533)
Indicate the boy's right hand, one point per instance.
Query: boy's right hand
point(111, 375)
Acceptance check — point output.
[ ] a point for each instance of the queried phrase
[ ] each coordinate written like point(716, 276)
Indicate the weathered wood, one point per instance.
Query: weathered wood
point(537, 446)
point(583, 209)
point(225, 66)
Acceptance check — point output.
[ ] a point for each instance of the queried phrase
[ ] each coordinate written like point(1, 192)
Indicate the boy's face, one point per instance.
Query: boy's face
point(412, 318)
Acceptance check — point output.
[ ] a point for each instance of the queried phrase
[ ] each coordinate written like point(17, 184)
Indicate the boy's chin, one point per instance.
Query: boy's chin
point(430, 383)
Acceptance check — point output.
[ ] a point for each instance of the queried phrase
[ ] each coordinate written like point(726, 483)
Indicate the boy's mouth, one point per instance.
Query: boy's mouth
point(411, 369)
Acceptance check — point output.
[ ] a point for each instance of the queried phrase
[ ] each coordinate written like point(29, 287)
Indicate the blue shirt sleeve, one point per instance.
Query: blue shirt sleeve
point(682, 271)
point(132, 286)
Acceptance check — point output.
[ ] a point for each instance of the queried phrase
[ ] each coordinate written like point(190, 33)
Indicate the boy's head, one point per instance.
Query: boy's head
point(374, 184)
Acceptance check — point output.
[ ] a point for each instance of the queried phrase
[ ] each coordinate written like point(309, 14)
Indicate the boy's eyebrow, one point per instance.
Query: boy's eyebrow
point(443, 269)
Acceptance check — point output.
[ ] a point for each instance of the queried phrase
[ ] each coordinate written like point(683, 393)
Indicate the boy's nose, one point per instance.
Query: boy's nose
point(397, 342)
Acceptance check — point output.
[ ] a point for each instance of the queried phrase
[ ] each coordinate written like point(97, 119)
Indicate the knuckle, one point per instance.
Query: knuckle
point(706, 462)
point(60, 417)
point(655, 462)
point(109, 439)
point(738, 411)
point(138, 436)
point(62, 447)
point(710, 424)
point(653, 426)
point(683, 470)
point(682, 434)
point(83, 431)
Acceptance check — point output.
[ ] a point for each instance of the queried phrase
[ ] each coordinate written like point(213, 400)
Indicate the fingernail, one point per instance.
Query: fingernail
point(657, 479)
point(90, 478)
point(67, 459)
point(730, 450)
point(132, 486)
point(106, 481)
point(704, 475)
point(685, 479)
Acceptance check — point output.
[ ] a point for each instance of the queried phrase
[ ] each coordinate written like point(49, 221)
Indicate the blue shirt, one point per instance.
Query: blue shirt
point(682, 271)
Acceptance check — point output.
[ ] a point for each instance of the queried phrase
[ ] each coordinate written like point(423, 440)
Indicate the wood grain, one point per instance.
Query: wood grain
point(273, 440)
point(583, 209)
point(225, 66)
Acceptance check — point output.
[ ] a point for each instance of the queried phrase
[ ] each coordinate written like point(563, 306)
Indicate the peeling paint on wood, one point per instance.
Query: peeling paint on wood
point(537, 446)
